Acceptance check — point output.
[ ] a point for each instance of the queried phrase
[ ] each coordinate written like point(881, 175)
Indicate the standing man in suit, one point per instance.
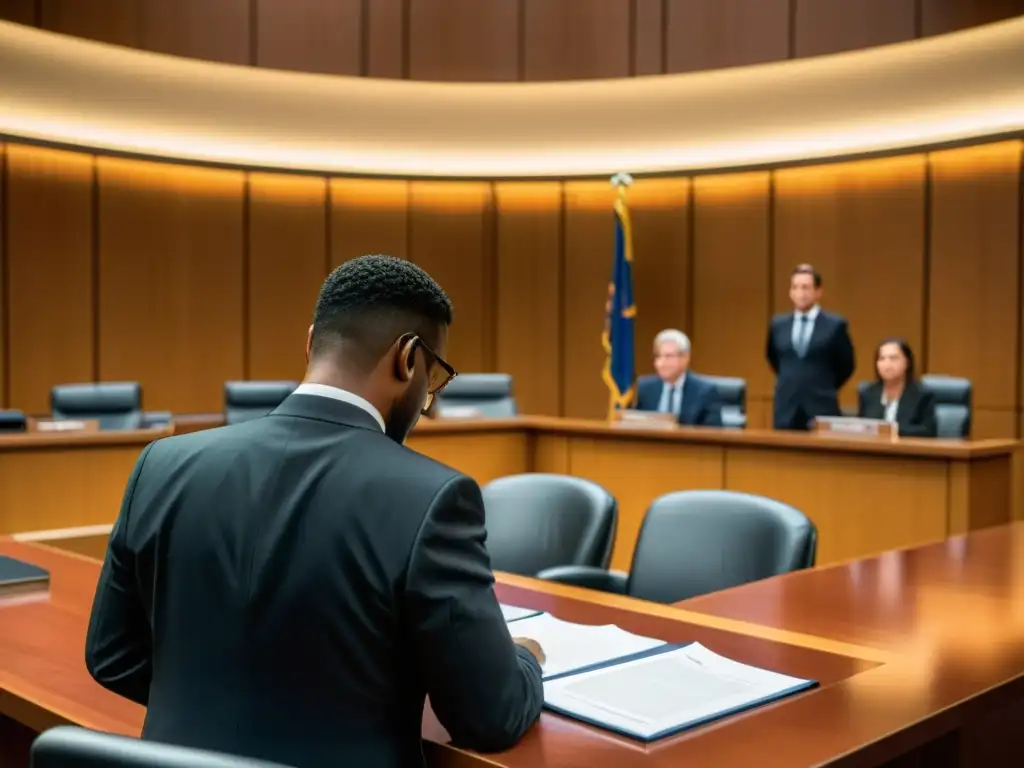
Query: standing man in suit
point(811, 354)
point(675, 389)
point(290, 588)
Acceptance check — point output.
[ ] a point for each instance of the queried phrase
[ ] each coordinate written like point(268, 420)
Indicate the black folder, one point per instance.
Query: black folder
point(17, 577)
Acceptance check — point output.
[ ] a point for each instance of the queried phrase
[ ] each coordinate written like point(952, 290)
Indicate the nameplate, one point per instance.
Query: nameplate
point(851, 426)
point(460, 412)
point(630, 418)
point(64, 425)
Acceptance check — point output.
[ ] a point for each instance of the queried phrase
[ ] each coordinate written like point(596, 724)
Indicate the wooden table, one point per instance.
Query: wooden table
point(864, 496)
point(920, 654)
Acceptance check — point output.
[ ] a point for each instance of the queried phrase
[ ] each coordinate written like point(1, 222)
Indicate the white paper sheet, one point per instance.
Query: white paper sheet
point(666, 691)
point(514, 612)
point(571, 646)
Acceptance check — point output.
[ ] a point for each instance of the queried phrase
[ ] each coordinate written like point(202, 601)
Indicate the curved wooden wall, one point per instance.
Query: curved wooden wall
point(184, 277)
point(504, 39)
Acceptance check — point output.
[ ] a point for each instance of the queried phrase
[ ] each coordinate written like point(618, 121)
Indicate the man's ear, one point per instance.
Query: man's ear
point(309, 343)
point(405, 358)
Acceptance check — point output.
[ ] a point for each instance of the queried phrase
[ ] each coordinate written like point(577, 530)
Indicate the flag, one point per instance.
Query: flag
point(620, 311)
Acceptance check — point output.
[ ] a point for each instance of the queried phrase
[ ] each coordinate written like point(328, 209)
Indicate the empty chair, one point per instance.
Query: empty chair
point(538, 521)
point(68, 746)
point(732, 394)
point(695, 542)
point(12, 421)
point(114, 404)
point(489, 394)
point(247, 400)
point(953, 403)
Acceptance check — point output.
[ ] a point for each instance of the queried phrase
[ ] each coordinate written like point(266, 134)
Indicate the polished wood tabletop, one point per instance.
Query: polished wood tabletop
point(915, 651)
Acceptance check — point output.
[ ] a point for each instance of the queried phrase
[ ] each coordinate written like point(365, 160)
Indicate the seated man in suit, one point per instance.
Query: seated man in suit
point(810, 352)
point(896, 395)
point(290, 588)
point(675, 389)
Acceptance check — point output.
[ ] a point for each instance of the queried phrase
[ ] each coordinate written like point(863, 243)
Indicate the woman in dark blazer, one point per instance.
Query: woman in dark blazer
point(896, 395)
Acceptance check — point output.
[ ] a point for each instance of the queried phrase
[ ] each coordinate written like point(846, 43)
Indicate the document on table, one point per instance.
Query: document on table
point(515, 613)
point(666, 692)
point(571, 647)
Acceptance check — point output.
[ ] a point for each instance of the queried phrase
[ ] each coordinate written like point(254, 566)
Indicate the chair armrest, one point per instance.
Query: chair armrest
point(587, 576)
point(153, 419)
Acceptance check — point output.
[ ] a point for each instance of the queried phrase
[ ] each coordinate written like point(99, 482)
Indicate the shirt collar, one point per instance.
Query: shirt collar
point(678, 383)
point(324, 390)
point(812, 313)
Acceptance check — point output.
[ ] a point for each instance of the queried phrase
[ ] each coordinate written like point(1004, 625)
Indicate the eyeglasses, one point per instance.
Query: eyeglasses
point(440, 377)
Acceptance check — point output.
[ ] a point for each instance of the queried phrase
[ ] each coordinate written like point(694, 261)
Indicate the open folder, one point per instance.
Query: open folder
point(664, 691)
point(642, 687)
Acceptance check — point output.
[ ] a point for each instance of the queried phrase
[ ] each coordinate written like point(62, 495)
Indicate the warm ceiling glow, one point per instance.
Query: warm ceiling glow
point(965, 86)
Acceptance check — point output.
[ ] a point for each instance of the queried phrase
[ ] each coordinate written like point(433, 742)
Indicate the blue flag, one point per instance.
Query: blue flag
point(620, 312)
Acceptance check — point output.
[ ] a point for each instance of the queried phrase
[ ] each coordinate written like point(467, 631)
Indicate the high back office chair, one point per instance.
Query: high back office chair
point(12, 421)
point(68, 746)
point(490, 394)
point(115, 405)
point(537, 521)
point(247, 400)
point(695, 542)
point(732, 394)
point(953, 403)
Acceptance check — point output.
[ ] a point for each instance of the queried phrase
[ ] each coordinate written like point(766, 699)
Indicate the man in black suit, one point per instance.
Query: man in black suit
point(291, 588)
point(811, 353)
point(675, 389)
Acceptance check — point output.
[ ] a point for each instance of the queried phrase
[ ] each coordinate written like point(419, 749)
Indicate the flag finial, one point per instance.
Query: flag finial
point(622, 179)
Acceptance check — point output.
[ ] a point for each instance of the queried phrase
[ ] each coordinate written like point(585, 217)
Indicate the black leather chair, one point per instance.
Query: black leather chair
point(12, 421)
point(489, 394)
point(732, 393)
point(537, 521)
point(115, 405)
point(695, 542)
point(953, 403)
point(68, 746)
point(247, 400)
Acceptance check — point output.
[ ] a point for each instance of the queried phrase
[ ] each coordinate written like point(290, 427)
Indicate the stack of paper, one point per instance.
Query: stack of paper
point(664, 691)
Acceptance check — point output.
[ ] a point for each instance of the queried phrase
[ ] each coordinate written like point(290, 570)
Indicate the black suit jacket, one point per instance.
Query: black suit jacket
point(915, 414)
point(290, 588)
point(808, 386)
point(700, 404)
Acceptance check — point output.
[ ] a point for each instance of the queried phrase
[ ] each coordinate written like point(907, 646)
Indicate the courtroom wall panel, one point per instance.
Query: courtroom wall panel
point(287, 258)
point(501, 40)
point(52, 305)
point(974, 277)
point(185, 277)
point(170, 254)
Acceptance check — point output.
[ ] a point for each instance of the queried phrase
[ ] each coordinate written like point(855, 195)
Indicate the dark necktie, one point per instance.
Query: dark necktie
point(801, 335)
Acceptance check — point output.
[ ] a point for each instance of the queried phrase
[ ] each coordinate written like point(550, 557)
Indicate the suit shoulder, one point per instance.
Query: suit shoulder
point(702, 384)
point(835, 318)
point(781, 317)
point(425, 471)
point(647, 379)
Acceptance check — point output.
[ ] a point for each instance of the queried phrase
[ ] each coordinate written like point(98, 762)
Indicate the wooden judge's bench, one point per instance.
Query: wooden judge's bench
point(866, 493)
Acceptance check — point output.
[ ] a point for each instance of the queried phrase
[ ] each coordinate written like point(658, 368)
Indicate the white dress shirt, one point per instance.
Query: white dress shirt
point(323, 390)
point(672, 395)
point(891, 407)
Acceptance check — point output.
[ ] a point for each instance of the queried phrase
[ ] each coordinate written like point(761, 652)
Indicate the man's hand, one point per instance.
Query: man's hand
point(533, 647)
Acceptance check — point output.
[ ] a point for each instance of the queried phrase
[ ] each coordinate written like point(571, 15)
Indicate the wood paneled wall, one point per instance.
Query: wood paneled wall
point(497, 40)
point(183, 277)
